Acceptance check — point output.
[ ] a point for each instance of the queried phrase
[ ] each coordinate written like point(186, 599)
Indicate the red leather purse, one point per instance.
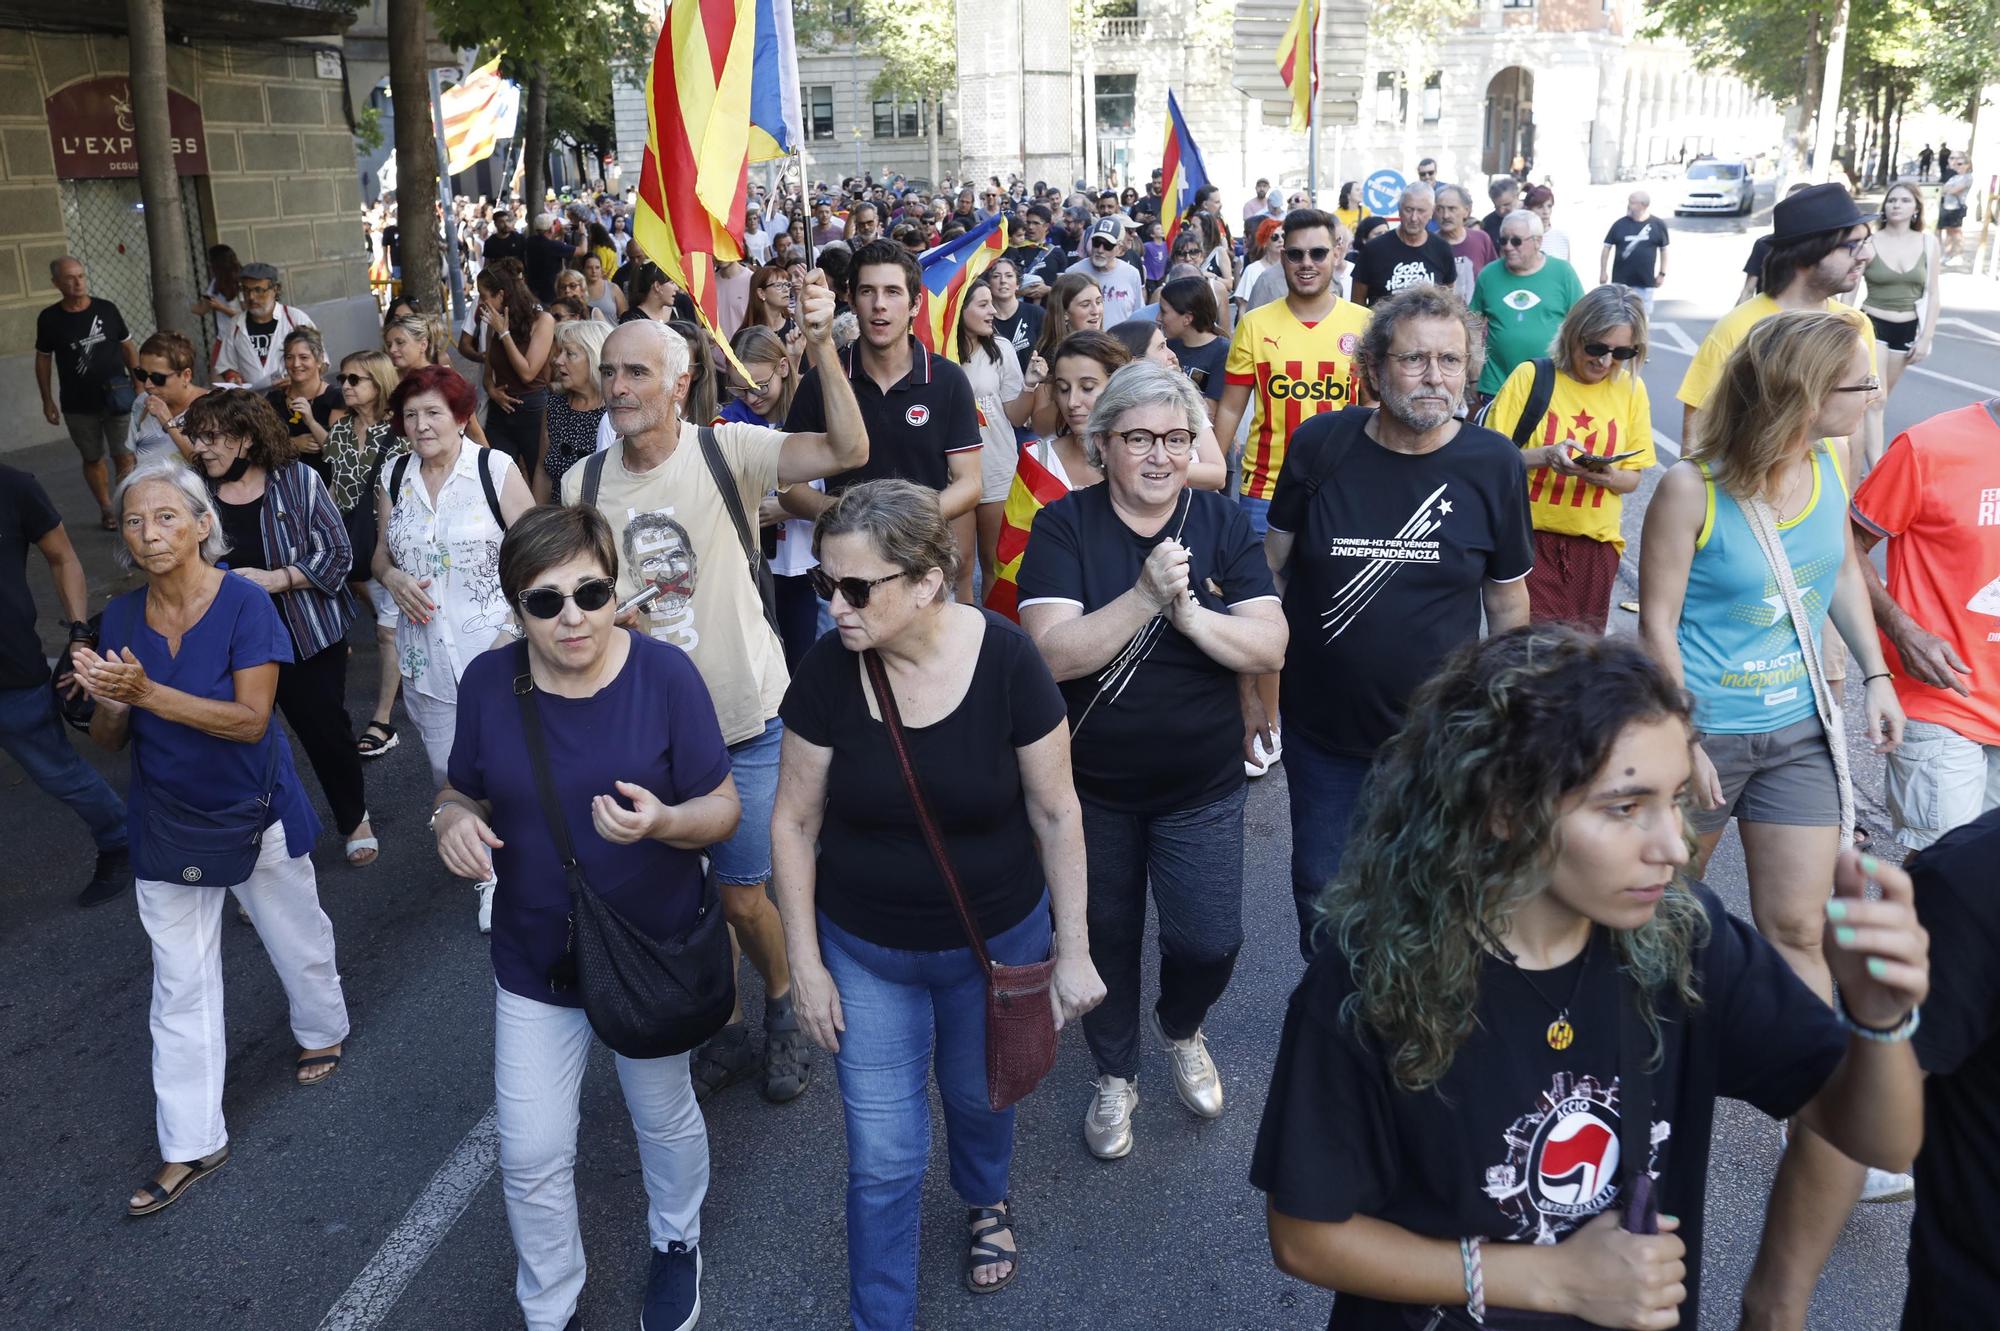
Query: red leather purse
point(1020, 1015)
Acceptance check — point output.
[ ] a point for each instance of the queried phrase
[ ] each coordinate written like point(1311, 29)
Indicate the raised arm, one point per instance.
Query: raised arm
point(844, 446)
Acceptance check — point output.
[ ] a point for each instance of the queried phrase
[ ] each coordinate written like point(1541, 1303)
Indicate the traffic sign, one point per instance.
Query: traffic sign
point(1382, 192)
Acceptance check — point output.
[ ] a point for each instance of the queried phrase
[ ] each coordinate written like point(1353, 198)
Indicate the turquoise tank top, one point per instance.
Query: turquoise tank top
point(1740, 655)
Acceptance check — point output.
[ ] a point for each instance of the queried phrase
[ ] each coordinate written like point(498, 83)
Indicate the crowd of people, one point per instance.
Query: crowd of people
point(925, 673)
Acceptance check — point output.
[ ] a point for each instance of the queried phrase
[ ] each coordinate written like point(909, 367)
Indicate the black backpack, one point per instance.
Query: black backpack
point(1540, 393)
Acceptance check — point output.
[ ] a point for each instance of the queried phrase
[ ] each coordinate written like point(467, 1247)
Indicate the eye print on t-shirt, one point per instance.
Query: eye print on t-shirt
point(1386, 555)
point(1562, 1159)
point(658, 551)
point(1520, 300)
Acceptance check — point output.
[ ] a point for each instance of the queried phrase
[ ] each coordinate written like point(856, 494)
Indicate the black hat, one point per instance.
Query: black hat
point(1815, 210)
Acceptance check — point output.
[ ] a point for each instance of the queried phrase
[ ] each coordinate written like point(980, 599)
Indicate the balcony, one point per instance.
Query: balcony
point(1130, 29)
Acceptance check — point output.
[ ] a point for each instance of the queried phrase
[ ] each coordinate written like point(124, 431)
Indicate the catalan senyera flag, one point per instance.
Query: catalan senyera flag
point(948, 269)
point(1298, 62)
point(472, 115)
point(1035, 488)
point(1181, 170)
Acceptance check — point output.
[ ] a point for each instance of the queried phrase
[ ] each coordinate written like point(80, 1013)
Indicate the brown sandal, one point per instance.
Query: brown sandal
point(163, 1197)
point(331, 1062)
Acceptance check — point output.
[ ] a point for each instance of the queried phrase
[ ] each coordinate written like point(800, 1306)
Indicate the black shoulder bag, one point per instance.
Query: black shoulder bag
point(645, 997)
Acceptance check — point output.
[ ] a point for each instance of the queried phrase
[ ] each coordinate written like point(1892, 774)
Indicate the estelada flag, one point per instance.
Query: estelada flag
point(1298, 62)
point(1182, 173)
point(948, 269)
point(1035, 488)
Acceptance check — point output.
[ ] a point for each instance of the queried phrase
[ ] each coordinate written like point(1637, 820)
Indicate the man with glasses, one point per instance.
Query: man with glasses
point(1405, 257)
point(83, 339)
point(1296, 358)
point(1427, 171)
point(1523, 300)
point(252, 351)
point(659, 493)
point(864, 225)
point(1387, 571)
point(1124, 289)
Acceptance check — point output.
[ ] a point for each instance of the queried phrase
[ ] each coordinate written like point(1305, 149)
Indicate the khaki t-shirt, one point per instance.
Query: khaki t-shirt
point(672, 526)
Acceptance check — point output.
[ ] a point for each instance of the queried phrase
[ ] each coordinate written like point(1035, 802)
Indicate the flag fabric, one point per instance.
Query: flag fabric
point(1298, 62)
point(471, 117)
point(1035, 488)
point(948, 269)
point(776, 127)
point(694, 178)
point(1182, 173)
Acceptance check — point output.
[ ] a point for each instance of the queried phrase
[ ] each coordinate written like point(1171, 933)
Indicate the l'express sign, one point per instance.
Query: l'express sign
point(91, 131)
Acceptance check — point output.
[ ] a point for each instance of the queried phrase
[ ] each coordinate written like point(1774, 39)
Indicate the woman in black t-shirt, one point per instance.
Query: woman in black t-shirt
point(306, 402)
point(1148, 598)
point(882, 972)
point(1433, 1139)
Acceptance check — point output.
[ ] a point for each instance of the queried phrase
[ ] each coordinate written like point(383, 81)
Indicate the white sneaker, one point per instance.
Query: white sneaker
point(1196, 1081)
point(1266, 755)
point(1107, 1124)
point(1882, 1186)
point(486, 907)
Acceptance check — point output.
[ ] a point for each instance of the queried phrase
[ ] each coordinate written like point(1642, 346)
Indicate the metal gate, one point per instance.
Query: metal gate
point(104, 222)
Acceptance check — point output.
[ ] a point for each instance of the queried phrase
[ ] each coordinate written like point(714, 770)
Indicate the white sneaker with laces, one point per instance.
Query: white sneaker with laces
point(1266, 754)
point(1882, 1186)
point(486, 906)
point(1107, 1124)
point(1196, 1081)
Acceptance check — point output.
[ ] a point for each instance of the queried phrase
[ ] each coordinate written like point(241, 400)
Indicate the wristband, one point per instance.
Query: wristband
point(1896, 1034)
point(1475, 1279)
point(81, 631)
point(1866, 680)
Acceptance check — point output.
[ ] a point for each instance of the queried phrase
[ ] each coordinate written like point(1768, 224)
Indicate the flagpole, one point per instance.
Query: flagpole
point(444, 198)
point(806, 205)
point(1312, 117)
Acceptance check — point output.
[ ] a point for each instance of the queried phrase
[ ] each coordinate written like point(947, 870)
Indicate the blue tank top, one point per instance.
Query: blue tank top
point(1739, 652)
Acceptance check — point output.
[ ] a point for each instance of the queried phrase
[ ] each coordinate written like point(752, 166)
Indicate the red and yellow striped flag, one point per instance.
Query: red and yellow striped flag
point(1035, 488)
point(1298, 62)
point(695, 175)
point(472, 117)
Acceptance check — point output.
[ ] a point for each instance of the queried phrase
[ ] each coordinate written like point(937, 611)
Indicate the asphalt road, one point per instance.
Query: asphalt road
point(369, 1202)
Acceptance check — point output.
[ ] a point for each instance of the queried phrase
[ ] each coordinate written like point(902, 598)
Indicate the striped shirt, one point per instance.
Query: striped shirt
point(303, 530)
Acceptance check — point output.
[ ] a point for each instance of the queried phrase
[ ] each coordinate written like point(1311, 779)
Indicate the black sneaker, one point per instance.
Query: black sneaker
point(673, 1290)
point(114, 875)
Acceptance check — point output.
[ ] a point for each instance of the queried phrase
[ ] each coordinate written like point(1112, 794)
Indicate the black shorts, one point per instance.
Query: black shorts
point(1950, 219)
point(1893, 335)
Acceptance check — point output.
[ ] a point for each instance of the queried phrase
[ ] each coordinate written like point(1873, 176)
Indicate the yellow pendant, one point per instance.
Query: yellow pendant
point(1561, 1034)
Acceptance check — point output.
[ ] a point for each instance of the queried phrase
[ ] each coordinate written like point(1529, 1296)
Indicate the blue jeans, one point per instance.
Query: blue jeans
point(1259, 513)
point(904, 1009)
point(746, 857)
point(1325, 790)
point(33, 736)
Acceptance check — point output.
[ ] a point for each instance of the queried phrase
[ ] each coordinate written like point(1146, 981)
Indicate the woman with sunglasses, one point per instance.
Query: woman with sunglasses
point(1148, 598)
point(167, 386)
point(882, 974)
point(439, 517)
point(574, 427)
point(1584, 452)
point(1438, 1149)
point(358, 447)
point(1708, 614)
point(643, 779)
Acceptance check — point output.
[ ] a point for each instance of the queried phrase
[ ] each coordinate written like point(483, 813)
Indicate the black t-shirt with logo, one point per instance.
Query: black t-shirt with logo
point(1389, 557)
point(926, 416)
point(392, 240)
point(1955, 1237)
point(1021, 330)
point(513, 245)
point(1046, 262)
point(1157, 730)
point(1204, 364)
point(84, 344)
point(260, 333)
point(323, 407)
point(1519, 1142)
point(1387, 265)
point(1638, 244)
point(26, 516)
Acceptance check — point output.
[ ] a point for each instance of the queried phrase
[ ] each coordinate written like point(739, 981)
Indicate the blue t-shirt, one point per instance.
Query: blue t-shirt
point(652, 726)
point(240, 629)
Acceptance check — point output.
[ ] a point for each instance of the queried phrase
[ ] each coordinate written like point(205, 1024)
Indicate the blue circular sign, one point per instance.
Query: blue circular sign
point(1382, 192)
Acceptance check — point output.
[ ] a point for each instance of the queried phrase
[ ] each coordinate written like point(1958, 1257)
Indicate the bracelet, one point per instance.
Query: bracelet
point(1896, 1034)
point(1475, 1279)
point(1866, 680)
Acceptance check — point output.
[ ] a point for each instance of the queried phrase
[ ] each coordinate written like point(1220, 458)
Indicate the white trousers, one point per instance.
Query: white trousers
point(437, 724)
point(185, 924)
point(539, 1051)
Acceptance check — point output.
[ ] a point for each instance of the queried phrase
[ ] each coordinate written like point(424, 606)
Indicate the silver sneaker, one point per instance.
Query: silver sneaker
point(1196, 1081)
point(486, 907)
point(1882, 1186)
point(1107, 1124)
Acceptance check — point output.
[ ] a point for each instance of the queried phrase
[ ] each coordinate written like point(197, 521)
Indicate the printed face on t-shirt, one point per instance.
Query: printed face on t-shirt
point(660, 554)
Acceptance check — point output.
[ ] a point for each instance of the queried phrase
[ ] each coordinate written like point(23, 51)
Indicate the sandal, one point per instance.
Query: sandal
point(372, 745)
point(787, 1053)
point(164, 1196)
point(109, 523)
point(729, 1056)
point(331, 1062)
point(985, 1222)
point(363, 851)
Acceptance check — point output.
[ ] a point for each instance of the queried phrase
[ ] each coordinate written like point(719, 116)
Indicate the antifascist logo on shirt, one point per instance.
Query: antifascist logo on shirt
point(918, 414)
point(1562, 1164)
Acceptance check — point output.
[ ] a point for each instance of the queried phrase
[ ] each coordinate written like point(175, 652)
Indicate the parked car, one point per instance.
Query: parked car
point(1711, 185)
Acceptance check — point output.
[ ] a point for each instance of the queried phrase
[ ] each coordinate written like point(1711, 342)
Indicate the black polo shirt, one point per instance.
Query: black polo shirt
point(926, 416)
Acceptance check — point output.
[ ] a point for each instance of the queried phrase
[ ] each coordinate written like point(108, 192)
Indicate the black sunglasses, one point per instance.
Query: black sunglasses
point(1317, 254)
point(1103, 245)
point(153, 377)
point(352, 380)
point(855, 591)
point(1597, 349)
point(590, 594)
point(1515, 242)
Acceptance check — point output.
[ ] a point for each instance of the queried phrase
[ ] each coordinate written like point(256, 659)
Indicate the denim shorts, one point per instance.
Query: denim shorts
point(1259, 513)
point(746, 856)
point(1782, 776)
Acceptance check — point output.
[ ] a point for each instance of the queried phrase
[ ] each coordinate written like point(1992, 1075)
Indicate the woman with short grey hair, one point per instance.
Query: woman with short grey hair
point(1148, 599)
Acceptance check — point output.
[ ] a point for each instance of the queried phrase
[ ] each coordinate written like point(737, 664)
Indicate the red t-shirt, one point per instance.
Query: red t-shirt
point(1936, 495)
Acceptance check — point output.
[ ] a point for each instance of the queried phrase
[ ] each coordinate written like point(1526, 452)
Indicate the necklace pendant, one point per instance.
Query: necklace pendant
point(1561, 1035)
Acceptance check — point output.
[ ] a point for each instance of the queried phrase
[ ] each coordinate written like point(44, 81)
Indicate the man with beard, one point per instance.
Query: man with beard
point(1387, 571)
point(253, 350)
point(658, 486)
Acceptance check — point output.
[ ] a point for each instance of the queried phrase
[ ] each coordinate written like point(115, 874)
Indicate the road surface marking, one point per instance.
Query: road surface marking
point(1980, 389)
point(396, 1263)
point(1676, 340)
point(1973, 330)
point(1668, 445)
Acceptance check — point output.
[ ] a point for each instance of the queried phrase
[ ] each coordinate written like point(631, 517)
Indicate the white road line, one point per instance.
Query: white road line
point(1972, 330)
point(1980, 389)
point(1667, 446)
point(1674, 339)
point(396, 1263)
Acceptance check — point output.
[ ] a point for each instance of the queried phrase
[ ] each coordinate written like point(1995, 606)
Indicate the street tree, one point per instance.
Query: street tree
point(416, 153)
point(1413, 29)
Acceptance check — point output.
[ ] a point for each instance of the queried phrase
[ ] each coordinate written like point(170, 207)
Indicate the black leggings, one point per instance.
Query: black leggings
point(313, 696)
point(518, 433)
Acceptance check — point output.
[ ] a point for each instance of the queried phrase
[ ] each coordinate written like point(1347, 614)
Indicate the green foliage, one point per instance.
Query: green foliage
point(918, 43)
point(574, 45)
point(1416, 22)
point(368, 129)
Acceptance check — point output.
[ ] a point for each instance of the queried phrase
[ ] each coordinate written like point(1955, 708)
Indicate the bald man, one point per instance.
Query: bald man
point(1635, 250)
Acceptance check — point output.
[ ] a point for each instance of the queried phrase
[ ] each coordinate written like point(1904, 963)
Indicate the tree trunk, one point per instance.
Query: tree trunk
point(159, 181)
point(416, 154)
point(535, 147)
point(1827, 122)
point(1885, 163)
point(933, 117)
point(1809, 84)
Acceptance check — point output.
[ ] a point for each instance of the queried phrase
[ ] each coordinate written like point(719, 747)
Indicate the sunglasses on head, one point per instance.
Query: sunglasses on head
point(590, 594)
point(855, 591)
point(1597, 350)
point(154, 377)
point(1317, 254)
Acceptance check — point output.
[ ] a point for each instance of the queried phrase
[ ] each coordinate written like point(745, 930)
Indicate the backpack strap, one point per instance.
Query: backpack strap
point(1540, 393)
point(593, 477)
point(1339, 442)
point(732, 500)
point(486, 484)
point(396, 475)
